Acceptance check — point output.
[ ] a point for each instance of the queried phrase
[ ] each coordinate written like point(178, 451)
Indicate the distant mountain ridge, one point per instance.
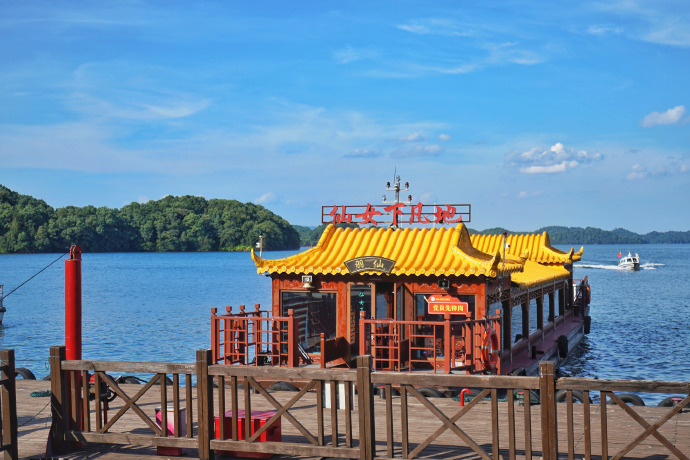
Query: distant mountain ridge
point(593, 235)
point(557, 235)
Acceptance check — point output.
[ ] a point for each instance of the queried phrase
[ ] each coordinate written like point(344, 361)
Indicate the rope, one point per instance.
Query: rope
point(34, 276)
point(32, 418)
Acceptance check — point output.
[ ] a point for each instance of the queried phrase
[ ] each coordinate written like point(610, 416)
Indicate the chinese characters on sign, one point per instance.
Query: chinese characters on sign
point(396, 214)
point(447, 304)
point(369, 263)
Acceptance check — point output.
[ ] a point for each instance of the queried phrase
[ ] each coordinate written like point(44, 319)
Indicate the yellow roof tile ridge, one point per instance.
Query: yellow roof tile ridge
point(557, 254)
point(461, 245)
point(279, 265)
point(578, 254)
point(433, 252)
point(339, 249)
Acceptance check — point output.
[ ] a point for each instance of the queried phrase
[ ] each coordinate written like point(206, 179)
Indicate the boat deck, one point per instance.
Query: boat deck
point(34, 420)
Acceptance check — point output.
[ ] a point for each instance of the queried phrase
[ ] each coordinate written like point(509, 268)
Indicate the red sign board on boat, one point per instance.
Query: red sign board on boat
point(447, 304)
point(396, 214)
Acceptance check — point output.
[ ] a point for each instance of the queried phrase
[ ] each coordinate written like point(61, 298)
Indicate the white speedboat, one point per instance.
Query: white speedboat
point(629, 262)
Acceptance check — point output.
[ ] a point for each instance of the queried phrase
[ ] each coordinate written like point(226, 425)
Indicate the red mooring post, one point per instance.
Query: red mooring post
point(73, 303)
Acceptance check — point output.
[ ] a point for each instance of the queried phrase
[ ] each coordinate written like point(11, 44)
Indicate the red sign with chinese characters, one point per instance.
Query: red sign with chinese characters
point(447, 304)
point(396, 214)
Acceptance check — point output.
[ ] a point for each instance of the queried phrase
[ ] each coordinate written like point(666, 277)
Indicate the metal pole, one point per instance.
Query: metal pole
point(73, 303)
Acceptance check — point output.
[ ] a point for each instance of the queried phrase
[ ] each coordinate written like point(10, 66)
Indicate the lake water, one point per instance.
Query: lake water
point(156, 307)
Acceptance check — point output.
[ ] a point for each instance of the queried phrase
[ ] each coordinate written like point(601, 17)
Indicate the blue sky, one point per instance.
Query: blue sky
point(535, 113)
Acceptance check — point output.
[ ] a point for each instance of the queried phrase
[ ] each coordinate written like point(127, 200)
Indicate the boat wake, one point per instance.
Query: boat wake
point(647, 266)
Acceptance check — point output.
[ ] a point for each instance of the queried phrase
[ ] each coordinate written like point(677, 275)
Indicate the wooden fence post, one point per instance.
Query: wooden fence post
point(365, 395)
point(9, 405)
point(549, 429)
point(215, 339)
point(204, 395)
point(58, 403)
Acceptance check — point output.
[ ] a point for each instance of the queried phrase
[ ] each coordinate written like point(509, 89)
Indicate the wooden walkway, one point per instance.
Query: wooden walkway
point(34, 423)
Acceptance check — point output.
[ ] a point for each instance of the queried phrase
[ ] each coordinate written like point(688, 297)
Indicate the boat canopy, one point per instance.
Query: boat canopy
point(415, 251)
point(535, 247)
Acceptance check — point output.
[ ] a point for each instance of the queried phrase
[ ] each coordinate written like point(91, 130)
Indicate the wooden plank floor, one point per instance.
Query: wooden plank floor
point(34, 421)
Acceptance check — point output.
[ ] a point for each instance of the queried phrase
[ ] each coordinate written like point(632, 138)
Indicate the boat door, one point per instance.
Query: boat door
point(377, 300)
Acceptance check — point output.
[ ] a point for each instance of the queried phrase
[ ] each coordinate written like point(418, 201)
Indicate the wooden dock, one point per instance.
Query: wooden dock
point(34, 419)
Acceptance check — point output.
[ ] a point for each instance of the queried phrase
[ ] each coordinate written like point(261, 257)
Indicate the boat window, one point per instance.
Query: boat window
point(315, 313)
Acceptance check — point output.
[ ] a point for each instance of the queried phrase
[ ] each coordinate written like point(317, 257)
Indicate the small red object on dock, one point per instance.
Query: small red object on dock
point(259, 419)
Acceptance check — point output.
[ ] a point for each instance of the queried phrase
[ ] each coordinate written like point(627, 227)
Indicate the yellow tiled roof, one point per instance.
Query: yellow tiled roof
point(535, 274)
point(535, 247)
point(416, 251)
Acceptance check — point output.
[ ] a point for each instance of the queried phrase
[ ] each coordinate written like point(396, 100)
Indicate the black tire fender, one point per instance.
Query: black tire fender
point(669, 402)
point(578, 396)
point(429, 392)
point(283, 386)
point(520, 371)
point(24, 373)
point(562, 346)
point(628, 398)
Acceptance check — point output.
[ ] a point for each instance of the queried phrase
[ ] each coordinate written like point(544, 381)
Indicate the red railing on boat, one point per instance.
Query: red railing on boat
point(471, 345)
point(254, 338)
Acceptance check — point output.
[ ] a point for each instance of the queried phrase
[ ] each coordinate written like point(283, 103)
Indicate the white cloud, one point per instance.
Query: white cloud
point(350, 54)
point(638, 172)
point(436, 26)
point(670, 117)
point(602, 30)
point(267, 197)
point(557, 168)
point(556, 159)
point(684, 168)
point(511, 53)
point(660, 22)
point(444, 137)
point(363, 153)
point(412, 137)
point(525, 194)
point(418, 151)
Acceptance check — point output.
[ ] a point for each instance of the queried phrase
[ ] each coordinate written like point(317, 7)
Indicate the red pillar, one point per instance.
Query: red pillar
point(73, 304)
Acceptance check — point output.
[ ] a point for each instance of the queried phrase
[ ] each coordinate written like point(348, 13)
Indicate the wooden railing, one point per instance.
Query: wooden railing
point(436, 345)
point(508, 416)
point(80, 409)
point(617, 405)
point(8, 405)
point(254, 338)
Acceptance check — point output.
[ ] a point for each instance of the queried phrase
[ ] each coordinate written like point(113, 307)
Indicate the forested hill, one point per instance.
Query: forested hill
point(190, 223)
point(186, 223)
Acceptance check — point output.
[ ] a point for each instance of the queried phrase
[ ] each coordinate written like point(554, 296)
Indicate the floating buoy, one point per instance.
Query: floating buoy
point(588, 323)
point(490, 349)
